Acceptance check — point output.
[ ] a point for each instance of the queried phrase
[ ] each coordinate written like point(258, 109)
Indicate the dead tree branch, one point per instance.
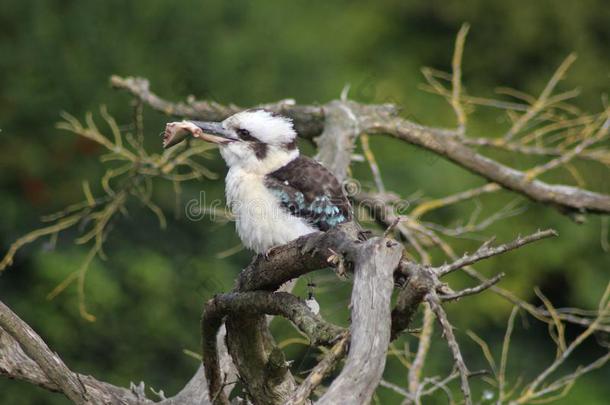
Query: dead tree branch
point(370, 323)
point(567, 198)
point(254, 304)
point(382, 119)
point(25, 356)
point(49, 362)
point(309, 120)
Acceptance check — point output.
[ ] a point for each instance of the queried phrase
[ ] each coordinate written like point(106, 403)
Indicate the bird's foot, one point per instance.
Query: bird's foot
point(270, 252)
point(337, 261)
point(364, 235)
point(310, 247)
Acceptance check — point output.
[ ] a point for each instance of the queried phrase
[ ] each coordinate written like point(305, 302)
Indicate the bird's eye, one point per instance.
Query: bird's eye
point(244, 134)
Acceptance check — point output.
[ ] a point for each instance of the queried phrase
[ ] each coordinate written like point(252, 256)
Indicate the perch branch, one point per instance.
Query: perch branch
point(299, 257)
point(370, 326)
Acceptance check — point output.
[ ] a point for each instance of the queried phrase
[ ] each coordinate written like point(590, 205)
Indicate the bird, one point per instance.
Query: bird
point(275, 193)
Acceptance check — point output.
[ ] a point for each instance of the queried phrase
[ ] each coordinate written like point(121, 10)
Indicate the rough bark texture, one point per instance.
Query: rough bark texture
point(246, 324)
point(370, 320)
point(420, 282)
point(25, 356)
point(260, 364)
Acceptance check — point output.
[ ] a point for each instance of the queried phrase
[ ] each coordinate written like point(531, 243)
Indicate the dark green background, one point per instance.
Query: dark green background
point(58, 55)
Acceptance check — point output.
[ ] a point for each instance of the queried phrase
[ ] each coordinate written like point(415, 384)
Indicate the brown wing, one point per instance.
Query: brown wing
point(309, 190)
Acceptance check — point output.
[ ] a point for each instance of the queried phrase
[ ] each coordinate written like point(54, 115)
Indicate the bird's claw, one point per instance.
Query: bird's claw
point(309, 247)
point(336, 260)
point(364, 235)
point(270, 252)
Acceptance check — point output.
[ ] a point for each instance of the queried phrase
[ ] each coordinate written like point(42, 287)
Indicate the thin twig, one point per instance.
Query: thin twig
point(485, 251)
point(321, 370)
point(456, 78)
point(370, 157)
point(435, 305)
point(473, 290)
point(423, 346)
point(531, 390)
point(504, 356)
point(542, 100)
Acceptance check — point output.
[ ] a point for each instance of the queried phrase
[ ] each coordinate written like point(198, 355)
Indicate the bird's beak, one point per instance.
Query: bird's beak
point(176, 132)
point(214, 132)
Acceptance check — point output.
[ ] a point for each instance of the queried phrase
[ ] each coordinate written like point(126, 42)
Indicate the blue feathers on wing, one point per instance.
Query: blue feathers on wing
point(308, 190)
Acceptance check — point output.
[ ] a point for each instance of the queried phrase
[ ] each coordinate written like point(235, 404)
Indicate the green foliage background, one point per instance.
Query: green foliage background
point(58, 55)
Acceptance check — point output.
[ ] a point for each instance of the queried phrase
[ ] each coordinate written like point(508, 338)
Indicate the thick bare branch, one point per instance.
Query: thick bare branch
point(48, 361)
point(299, 257)
point(284, 304)
point(261, 365)
point(420, 281)
point(309, 120)
point(567, 198)
point(25, 356)
point(285, 263)
point(250, 305)
point(16, 364)
point(370, 327)
point(336, 143)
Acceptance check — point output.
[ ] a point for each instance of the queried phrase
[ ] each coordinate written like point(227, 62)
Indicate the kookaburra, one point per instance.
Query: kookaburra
point(275, 193)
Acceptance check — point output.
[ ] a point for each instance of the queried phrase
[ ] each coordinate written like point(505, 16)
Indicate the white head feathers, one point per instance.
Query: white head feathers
point(265, 126)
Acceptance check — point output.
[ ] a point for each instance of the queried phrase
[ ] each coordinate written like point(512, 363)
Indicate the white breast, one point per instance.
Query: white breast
point(260, 220)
